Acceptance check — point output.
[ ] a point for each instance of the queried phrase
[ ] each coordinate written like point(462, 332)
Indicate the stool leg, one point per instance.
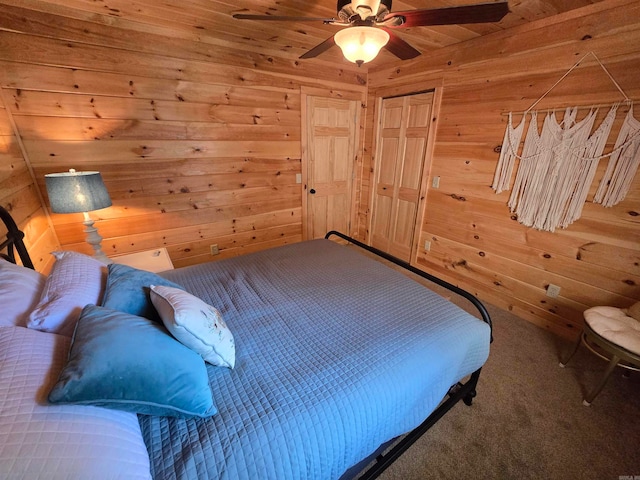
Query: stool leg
point(590, 397)
point(573, 352)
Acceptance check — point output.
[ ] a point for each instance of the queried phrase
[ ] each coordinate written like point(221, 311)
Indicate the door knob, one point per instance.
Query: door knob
point(312, 191)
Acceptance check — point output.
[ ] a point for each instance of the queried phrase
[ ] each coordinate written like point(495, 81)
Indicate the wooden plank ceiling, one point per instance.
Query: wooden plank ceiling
point(211, 22)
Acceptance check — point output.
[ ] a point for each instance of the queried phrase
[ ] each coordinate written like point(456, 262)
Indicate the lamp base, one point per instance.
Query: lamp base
point(94, 239)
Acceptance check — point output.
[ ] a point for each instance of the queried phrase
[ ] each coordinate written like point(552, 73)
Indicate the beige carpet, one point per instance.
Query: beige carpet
point(528, 421)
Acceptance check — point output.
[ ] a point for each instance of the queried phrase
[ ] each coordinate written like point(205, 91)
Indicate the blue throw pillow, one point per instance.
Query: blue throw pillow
point(128, 290)
point(126, 362)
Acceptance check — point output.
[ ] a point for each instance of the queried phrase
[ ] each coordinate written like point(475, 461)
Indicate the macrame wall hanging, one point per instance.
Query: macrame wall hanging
point(558, 164)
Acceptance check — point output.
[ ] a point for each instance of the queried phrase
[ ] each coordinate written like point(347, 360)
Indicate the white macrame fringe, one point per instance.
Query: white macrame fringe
point(558, 165)
point(623, 164)
point(507, 159)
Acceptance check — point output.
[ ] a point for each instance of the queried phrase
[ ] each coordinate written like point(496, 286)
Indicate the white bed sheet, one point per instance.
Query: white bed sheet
point(42, 441)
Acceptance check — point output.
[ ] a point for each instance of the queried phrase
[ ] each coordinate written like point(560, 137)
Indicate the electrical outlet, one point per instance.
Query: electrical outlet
point(553, 291)
point(435, 183)
point(298, 178)
point(214, 249)
point(427, 245)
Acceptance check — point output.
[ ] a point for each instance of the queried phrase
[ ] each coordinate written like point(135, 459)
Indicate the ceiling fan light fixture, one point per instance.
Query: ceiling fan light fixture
point(365, 8)
point(361, 44)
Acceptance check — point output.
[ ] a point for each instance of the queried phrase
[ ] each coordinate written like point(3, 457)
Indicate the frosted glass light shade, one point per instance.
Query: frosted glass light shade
point(361, 44)
point(75, 192)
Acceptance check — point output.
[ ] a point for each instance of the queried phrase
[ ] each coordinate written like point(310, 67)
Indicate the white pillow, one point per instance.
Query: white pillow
point(76, 280)
point(58, 442)
point(20, 290)
point(195, 324)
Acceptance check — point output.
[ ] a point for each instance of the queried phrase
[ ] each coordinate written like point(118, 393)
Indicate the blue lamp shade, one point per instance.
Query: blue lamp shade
point(75, 192)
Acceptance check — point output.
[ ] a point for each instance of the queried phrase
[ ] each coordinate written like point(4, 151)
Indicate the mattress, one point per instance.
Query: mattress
point(336, 353)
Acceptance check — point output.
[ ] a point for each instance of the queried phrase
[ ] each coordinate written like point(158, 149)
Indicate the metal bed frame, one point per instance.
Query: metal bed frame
point(387, 453)
point(466, 391)
point(14, 240)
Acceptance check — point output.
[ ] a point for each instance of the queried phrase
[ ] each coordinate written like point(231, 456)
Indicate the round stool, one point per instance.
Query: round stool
point(613, 335)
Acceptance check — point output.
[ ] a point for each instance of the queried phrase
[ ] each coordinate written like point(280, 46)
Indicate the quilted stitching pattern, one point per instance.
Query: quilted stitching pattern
point(76, 280)
point(41, 441)
point(335, 354)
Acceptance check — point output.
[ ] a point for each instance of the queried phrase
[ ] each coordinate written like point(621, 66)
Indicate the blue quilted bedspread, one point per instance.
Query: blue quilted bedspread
point(335, 354)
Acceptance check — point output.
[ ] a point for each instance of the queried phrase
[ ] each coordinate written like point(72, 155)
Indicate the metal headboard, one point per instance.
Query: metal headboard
point(14, 241)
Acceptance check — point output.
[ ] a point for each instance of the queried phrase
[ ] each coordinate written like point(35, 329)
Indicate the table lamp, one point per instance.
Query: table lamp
point(75, 192)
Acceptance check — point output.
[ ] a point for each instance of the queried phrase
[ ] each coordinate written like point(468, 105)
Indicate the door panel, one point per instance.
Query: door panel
point(413, 160)
point(380, 228)
point(401, 146)
point(389, 148)
point(331, 128)
point(403, 228)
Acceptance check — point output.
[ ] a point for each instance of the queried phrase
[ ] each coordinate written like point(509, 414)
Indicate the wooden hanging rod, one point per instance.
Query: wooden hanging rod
point(623, 104)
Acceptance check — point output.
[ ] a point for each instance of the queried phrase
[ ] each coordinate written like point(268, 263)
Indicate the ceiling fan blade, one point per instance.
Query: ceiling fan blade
point(321, 48)
point(399, 47)
point(281, 18)
point(480, 13)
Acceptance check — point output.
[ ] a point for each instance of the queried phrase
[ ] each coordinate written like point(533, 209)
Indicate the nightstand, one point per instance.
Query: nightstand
point(156, 260)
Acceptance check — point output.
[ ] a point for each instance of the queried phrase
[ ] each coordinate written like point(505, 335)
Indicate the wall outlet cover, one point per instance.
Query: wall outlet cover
point(553, 291)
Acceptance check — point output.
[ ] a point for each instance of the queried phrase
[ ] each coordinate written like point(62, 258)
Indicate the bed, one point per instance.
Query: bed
point(330, 365)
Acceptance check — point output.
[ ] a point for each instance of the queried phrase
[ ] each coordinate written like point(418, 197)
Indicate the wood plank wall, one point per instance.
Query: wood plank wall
point(475, 241)
point(20, 196)
point(198, 143)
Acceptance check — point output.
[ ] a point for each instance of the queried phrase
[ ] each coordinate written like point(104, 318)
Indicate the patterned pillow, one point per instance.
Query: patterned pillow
point(195, 324)
point(75, 280)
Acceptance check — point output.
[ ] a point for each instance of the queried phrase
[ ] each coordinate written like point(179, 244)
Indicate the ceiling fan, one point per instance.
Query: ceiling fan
point(368, 25)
